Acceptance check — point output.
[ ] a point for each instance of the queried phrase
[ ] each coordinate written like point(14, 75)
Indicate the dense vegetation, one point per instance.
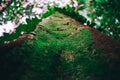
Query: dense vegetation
point(107, 13)
point(58, 52)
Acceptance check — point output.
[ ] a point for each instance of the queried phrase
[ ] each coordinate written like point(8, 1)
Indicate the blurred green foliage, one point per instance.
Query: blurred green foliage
point(69, 11)
point(29, 27)
point(109, 12)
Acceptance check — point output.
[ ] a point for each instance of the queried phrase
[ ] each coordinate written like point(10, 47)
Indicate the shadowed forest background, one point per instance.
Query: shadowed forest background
point(59, 40)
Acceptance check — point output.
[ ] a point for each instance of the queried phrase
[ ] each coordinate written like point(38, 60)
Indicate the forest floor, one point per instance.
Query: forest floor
point(61, 49)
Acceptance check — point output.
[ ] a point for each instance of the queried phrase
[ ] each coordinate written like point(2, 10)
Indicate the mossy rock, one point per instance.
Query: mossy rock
point(62, 49)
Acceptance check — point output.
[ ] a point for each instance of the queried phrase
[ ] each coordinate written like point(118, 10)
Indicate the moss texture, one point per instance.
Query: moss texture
point(60, 50)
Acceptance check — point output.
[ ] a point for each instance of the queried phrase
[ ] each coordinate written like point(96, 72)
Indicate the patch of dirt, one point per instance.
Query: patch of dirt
point(109, 45)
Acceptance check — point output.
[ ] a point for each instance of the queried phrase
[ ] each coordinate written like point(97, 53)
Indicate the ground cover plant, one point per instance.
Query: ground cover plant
point(60, 50)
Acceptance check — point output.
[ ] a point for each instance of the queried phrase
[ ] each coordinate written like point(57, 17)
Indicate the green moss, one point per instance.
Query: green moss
point(60, 52)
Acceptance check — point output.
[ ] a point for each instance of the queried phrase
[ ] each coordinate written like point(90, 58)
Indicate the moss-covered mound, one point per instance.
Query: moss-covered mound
point(61, 50)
